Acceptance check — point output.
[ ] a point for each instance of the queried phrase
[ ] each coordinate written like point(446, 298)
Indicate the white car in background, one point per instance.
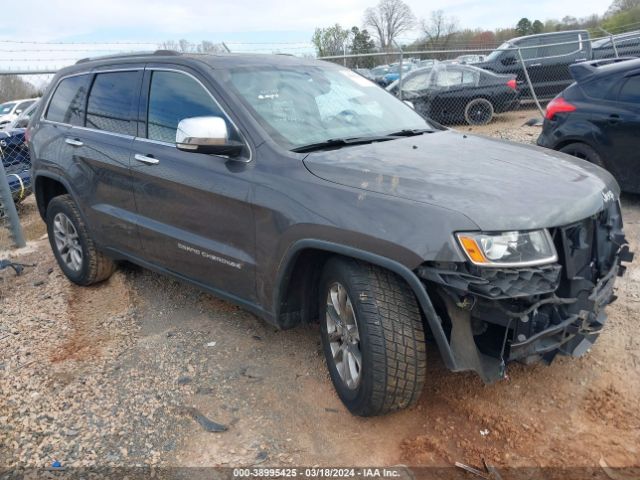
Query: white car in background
point(9, 111)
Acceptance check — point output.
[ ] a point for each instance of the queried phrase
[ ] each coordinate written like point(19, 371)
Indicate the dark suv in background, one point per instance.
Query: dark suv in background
point(622, 45)
point(547, 57)
point(302, 191)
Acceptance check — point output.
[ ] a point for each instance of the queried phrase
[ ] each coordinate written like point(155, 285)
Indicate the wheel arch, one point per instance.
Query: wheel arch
point(580, 140)
point(299, 275)
point(568, 141)
point(48, 186)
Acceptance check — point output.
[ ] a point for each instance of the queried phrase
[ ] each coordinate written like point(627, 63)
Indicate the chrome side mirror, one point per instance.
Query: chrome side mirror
point(206, 135)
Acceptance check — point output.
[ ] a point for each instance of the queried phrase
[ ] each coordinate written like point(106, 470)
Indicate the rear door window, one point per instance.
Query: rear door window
point(113, 102)
point(529, 48)
point(630, 91)
point(560, 45)
point(68, 102)
point(174, 96)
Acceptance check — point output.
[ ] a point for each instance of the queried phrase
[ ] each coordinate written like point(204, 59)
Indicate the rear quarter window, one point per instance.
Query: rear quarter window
point(67, 102)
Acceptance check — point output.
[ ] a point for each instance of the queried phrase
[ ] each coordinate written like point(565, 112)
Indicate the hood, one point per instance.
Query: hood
point(498, 185)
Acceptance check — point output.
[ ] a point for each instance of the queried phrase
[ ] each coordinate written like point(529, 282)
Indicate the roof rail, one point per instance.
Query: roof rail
point(582, 70)
point(130, 54)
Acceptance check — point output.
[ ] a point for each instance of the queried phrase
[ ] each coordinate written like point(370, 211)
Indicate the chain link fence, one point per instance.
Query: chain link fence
point(19, 95)
point(452, 86)
point(472, 86)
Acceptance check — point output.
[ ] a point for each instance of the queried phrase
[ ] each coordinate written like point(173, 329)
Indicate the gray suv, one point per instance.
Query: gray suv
point(303, 192)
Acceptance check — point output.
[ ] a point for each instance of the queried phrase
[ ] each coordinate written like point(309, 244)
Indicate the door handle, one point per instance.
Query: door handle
point(535, 65)
point(73, 142)
point(614, 119)
point(149, 160)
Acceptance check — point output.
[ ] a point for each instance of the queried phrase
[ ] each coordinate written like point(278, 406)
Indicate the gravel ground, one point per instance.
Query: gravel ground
point(131, 371)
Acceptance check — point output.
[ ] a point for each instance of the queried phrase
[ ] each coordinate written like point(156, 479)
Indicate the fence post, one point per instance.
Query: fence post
point(10, 208)
point(533, 92)
point(400, 70)
point(613, 41)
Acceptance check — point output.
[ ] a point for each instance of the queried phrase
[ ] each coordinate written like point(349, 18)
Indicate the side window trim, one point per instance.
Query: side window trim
point(53, 92)
point(144, 103)
point(92, 76)
point(132, 112)
point(553, 43)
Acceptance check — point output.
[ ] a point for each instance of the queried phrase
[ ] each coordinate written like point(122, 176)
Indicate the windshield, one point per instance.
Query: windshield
point(7, 107)
point(498, 51)
point(303, 106)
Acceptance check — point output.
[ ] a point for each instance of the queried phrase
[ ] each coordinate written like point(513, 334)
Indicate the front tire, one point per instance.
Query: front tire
point(373, 337)
point(478, 111)
point(72, 245)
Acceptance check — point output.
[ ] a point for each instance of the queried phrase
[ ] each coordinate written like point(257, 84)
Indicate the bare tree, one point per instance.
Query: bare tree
point(13, 87)
point(185, 46)
point(388, 20)
point(439, 29)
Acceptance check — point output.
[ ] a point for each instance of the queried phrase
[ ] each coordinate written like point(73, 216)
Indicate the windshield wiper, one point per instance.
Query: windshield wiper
point(341, 142)
point(411, 132)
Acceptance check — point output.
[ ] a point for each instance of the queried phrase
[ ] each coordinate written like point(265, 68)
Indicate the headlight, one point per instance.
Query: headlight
point(509, 249)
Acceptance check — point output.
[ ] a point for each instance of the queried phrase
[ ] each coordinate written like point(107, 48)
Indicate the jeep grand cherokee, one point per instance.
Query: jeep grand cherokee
point(303, 192)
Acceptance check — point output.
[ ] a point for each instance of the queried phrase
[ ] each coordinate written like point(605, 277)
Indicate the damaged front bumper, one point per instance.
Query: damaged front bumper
point(492, 316)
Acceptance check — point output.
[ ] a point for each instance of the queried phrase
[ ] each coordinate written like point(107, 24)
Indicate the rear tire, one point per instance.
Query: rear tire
point(584, 152)
point(478, 111)
point(384, 352)
point(72, 245)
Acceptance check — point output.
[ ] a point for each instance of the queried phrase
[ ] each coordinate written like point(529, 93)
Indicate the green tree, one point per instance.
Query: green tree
point(537, 27)
point(330, 41)
point(361, 42)
point(524, 27)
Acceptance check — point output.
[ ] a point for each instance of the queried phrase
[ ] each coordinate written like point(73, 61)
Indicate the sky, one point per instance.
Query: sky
point(245, 25)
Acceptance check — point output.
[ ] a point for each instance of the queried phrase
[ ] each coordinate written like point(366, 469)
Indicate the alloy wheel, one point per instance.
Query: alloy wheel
point(480, 113)
point(67, 242)
point(344, 337)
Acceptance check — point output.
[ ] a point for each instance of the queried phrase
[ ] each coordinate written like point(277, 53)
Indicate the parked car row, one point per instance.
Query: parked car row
point(14, 151)
point(455, 93)
point(9, 111)
point(385, 75)
point(547, 58)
